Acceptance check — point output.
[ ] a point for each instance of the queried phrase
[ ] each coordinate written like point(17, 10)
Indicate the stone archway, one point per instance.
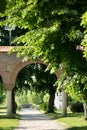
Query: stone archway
point(20, 66)
point(10, 65)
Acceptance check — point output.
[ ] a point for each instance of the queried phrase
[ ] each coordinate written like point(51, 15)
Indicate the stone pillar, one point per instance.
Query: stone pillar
point(64, 103)
point(9, 88)
point(85, 110)
point(9, 103)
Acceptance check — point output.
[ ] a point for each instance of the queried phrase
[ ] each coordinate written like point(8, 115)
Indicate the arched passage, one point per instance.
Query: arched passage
point(37, 80)
point(10, 65)
point(2, 92)
point(21, 65)
point(18, 68)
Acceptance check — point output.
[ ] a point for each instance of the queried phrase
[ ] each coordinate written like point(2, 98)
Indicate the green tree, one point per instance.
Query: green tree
point(53, 29)
point(53, 32)
point(84, 41)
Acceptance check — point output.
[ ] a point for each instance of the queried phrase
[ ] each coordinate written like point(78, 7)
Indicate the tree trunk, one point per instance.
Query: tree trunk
point(64, 103)
point(14, 106)
point(85, 110)
point(51, 101)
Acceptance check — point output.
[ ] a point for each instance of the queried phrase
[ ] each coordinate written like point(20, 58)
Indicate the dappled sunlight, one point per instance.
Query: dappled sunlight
point(32, 119)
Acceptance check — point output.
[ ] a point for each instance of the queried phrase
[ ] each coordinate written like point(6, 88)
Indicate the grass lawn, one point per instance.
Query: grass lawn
point(73, 121)
point(7, 123)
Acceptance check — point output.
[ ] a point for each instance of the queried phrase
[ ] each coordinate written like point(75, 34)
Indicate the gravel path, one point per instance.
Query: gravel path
point(32, 119)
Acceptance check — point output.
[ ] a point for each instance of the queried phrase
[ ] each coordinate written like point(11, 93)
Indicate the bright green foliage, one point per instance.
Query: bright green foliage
point(75, 85)
point(84, 41)
point(53, 28)
point(53, 32)
point(8, 124)
point(32, 97)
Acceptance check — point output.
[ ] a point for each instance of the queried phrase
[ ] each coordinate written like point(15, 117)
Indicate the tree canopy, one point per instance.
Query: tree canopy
point(53, 28)
point(53, 32)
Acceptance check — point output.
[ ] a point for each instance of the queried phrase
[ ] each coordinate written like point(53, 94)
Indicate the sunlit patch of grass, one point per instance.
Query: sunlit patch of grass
point(8, 123)
point(73, 121)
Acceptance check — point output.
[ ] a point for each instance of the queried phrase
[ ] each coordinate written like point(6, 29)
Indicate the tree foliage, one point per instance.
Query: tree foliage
point(75, 85)
point(34, 78)
point(84, 41)
point(53, 33)
point(53, 28)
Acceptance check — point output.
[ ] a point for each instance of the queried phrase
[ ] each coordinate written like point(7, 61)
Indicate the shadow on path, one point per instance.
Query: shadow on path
point(32, 119)
point(78, 128)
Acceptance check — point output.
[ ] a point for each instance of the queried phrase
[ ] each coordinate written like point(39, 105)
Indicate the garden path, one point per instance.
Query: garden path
point(32, 119)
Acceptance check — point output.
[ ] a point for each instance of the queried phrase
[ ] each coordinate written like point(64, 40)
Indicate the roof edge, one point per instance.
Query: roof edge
point(5, 48)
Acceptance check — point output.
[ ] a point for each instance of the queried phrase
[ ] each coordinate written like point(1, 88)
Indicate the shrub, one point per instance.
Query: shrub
point(76, 107)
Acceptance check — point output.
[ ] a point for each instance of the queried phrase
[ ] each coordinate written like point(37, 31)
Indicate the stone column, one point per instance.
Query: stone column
point(9, 88)
point(64, 103)
point(9, 103)
point(85, 110)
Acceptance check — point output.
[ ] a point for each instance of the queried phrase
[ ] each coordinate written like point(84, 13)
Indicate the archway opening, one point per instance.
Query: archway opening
point(2, 94)
point(36, 86)
point(1, 82)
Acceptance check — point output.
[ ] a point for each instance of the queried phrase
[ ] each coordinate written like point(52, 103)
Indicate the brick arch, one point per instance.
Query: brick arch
point(19, 67)
point(10, 66)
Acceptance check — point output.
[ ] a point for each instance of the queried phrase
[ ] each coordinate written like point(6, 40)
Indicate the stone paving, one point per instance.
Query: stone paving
point(32, 119)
